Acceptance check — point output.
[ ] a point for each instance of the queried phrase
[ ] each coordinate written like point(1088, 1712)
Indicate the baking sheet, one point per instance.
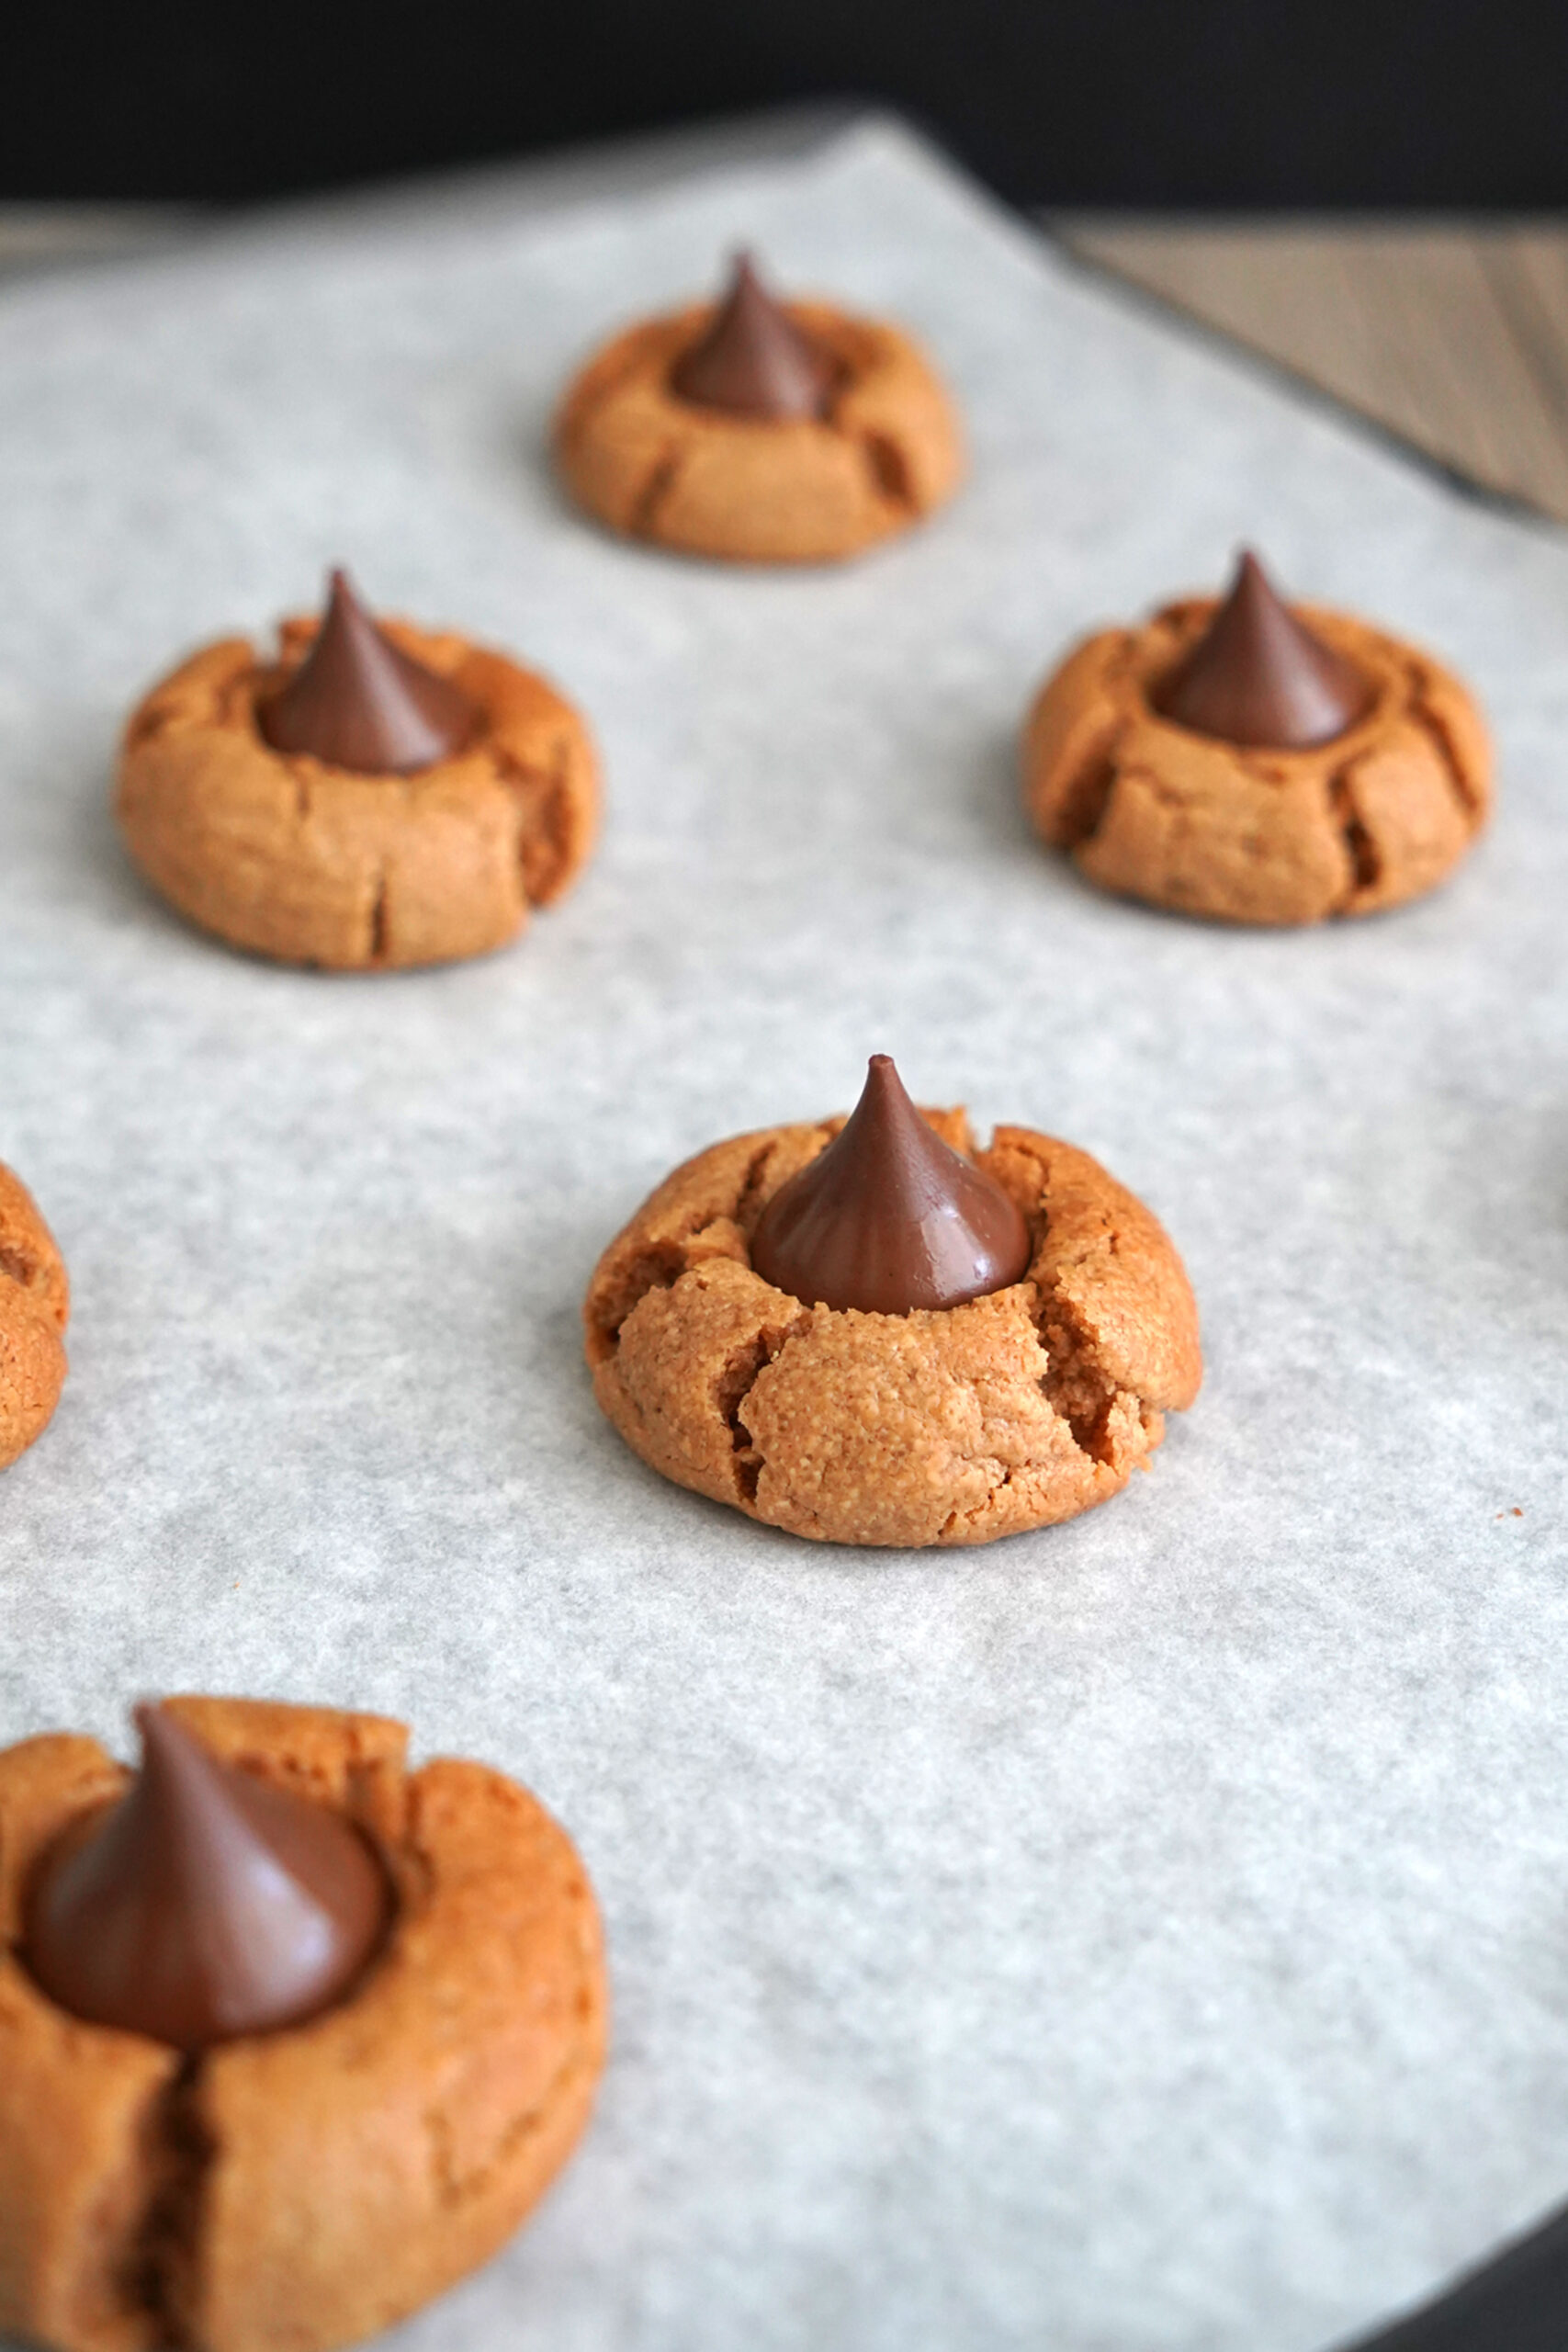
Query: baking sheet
point(1152, 1933)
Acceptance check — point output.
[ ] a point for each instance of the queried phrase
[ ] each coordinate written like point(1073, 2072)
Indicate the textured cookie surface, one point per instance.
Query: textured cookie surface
point(303, 2188)
point(659, 467)
point(285, 856)
point(1145, 808)
point(938, 1427)
point(34, 1301)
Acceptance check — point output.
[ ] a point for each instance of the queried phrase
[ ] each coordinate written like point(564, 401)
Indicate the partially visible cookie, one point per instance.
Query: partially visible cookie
point(35, 1303)
point(759, 432)
point(376, 797)
point(1031, 1398)
point(1238, 760)
point(301, 2187)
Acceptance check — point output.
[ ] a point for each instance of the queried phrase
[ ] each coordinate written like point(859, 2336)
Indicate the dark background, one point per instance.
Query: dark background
point(1193, 103)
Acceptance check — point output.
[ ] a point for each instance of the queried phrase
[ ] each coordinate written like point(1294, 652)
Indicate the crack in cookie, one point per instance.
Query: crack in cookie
point(661, 481)
point(742, 1369)
point(1366, 865)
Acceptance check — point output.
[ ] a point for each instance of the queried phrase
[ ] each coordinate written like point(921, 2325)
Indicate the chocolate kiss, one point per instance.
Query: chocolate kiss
point(889, 1217)
point(753, 360)
point(204, 1903)
point(358, 701)
point(1258, 676)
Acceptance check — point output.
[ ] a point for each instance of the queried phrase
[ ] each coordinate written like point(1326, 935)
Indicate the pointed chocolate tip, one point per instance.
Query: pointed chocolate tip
point(888, 1217)
point(751, 359)
point(358, 701)
point(1259, 677)
point(205, 1904)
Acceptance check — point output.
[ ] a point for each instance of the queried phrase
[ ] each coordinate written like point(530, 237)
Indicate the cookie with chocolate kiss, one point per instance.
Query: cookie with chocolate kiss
point(1257, 763)
point(758, 431)
point(872, 1331)
point(376, 796)
point(35, 1304)
point(291, 2038)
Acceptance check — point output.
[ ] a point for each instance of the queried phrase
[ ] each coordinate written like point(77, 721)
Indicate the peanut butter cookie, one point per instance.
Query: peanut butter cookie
point(1238, 760)
point(759, 432)
point(376, 797)
point(1031, 1397)
point(35, 1301)
point(244, 2176)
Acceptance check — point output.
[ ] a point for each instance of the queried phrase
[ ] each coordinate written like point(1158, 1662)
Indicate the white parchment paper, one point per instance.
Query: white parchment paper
point(1149, 1934)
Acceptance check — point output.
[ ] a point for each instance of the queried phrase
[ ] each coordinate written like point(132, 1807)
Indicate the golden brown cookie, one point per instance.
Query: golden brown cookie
point(305, 2187)
point(34, 1301)
point(1243, 833)
point(289, 856)
point(754, 488)
point(941, 1426)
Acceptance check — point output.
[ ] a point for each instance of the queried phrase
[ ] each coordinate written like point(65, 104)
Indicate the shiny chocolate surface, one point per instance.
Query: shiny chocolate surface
point(1259, 677)
point(204, 1905)
point(358, 701)
point(889, 1217)
point(752, 360)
